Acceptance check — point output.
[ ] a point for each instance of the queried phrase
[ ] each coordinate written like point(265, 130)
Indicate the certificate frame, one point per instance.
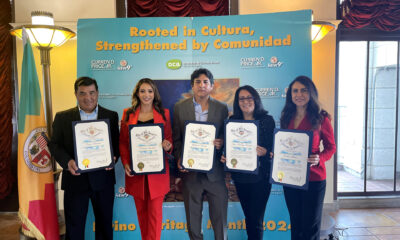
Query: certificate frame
point(131, 164)
point(241, 133)
point(276, 176)
point(90, 134)
point(184, 146)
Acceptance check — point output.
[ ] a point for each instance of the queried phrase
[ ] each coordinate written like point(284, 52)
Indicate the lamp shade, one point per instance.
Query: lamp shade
point(46, 36)
point(319, 29)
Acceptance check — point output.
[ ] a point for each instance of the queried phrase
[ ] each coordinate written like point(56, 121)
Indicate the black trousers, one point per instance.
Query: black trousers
point(76, 206)
point(253, 198)
point(305, 210)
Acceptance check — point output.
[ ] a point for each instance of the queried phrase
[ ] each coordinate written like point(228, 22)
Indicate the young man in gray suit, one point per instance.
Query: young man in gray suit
point(206, 109)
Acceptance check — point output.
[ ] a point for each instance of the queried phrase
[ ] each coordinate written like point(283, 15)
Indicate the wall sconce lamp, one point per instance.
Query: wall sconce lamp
point(44, 35)
point(319, 30)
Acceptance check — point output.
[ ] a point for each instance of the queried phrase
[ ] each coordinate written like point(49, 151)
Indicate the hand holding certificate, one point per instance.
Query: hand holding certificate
point(198, 148)
point(291, 150)
point(92, 145)
point(146, 148)
point(241, 139)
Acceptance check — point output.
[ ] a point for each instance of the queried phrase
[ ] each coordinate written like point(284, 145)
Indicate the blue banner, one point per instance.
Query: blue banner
point(266, 51)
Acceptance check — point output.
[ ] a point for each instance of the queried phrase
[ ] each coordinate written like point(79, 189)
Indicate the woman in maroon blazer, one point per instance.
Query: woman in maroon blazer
point(302, 111)
point(149, 190)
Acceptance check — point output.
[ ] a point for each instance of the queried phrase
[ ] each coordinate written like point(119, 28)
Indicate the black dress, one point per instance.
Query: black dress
point(253, 189)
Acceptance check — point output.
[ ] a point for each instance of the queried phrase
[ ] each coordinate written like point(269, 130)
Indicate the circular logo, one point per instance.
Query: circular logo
point(121, 190)
point(36, 153)
point(274, 60)
point(123, 63)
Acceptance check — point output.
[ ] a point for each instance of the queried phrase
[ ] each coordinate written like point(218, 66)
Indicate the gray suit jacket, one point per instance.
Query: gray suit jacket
point(184, 111)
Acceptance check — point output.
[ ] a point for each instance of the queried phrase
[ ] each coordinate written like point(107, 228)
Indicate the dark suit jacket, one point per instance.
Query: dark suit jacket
point(62, 149)
point(184, 111)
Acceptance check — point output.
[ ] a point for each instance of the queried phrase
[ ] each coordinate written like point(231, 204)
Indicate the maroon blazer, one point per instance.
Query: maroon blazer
point(325, 134)
point(158, 183)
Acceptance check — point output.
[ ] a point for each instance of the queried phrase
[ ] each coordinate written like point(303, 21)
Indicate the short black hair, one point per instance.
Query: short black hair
point(200, 71)
point(85, 81)
point(259, 110)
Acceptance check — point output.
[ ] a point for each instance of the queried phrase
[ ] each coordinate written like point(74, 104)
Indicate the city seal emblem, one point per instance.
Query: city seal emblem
point(36, 152)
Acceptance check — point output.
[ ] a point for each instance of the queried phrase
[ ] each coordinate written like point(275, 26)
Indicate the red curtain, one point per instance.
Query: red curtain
point(177, 8)
point(383, 14)
point(6, 103)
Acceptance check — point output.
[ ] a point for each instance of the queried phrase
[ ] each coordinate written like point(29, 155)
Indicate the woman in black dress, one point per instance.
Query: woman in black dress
point(253, 189)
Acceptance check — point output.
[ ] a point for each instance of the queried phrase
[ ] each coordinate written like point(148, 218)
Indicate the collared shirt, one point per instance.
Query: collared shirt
point(200, 115)
point(89, 116)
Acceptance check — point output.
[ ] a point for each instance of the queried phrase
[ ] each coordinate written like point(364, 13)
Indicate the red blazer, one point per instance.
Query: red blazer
point(158, 183)
point(324, 133)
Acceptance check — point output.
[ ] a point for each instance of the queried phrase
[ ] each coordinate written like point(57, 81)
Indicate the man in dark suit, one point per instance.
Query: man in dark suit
point(98, 186)
point(202, 108)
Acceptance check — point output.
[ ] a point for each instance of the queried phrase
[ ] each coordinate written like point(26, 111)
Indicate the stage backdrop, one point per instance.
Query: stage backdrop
point(266, 51)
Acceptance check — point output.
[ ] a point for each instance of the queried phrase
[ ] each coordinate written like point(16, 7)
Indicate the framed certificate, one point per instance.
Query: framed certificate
point(241, 139)
point(147, 154)
point(93, 146)
point(291, 151)
point(198, 146)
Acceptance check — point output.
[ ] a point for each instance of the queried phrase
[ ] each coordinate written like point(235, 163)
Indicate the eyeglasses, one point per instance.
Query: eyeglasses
point(249, 99)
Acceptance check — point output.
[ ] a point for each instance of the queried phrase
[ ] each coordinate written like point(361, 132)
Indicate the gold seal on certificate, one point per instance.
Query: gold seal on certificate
point(291, 150)
point(198, 150)
point(146, 150)
point(240, 146)
point(92, 145)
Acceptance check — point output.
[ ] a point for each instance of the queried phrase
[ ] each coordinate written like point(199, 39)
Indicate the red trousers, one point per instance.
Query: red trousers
point(149, 212)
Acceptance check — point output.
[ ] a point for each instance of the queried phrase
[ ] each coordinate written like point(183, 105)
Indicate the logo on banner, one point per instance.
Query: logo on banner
point(252, 62)
point(102, 64)
point(274, 62)
point(174, 64)
point(36, 153)
point(121, 193)
point(123, 65)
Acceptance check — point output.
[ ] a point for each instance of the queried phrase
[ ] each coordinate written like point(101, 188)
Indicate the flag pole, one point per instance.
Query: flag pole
point(45, 62)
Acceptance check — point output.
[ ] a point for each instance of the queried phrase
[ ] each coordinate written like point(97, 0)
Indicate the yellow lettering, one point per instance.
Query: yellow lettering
point(239, 224)
point(131, 227)
point(151, 33)
point(245, 30)
point(135, 47)
point(254, 43)
point(180, 225)
point(268, 42)
point(277, 42)
point(236, 44)
point(231, 225)
point(126, 46)
point(288, 40)
point(183, 45)
point(216, 44)
point(204, 30)
point(99, 45)
point(209, 226)
point(172, 224)
point(115, 226)
point(134, 31)
point(122, 227)
point(271, 225)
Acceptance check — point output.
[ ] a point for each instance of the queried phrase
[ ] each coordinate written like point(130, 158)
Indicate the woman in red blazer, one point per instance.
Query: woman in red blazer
point(149, 190)
point(302, 111)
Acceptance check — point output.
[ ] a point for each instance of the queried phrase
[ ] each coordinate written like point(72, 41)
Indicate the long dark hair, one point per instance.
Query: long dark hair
point(259, 110)
point(314, 111)
point(136, 101)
